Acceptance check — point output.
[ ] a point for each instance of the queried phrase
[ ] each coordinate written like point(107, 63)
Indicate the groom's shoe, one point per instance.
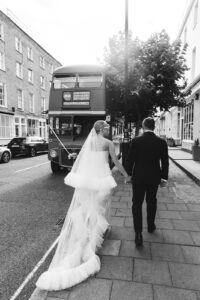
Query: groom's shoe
point(151, 229)
point(138, 240)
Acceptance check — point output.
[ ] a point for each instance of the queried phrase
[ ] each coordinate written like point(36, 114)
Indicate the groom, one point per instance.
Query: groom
point(148, 165)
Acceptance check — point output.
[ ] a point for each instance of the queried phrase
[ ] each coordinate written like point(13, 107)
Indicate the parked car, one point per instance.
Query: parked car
point(5, 154)
point(30, 146)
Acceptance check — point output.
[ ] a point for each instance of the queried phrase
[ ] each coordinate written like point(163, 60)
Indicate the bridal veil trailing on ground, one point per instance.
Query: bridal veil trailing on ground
point(75, 258)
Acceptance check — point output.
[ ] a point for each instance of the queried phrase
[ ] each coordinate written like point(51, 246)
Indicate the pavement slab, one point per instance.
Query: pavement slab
point(178, 207)
point(97, 289)
point(164, 224)
point(116, 268)
point(177, 237)
point(131, 291)
point(196, 237)
point(166, 252)
point(186, 225)
point(167, 293)
point(185, 275)
point(118, 233)
point(191, 254)
point(166, 214)
point(110, 247)
point(155, 272)
point(116, 221)
point(129, 249)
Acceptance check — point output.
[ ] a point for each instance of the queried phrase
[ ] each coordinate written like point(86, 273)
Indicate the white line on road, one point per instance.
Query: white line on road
point(31, 274)
point(31, 167)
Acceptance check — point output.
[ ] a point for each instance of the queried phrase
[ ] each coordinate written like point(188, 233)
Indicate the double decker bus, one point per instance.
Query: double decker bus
point(77, 100)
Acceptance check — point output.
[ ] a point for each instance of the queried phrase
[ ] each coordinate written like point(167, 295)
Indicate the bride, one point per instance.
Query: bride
point(75, 258)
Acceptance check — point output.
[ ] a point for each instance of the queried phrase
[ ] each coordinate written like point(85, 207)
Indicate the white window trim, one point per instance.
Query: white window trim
point(2, 32)
point(20, 108)
point(18, 44)
point(5, 93)
point(3, 67)
point(31, 97)
point(44, 102)
point(20, 75)
point(30, 53)
point(42, 62)
point(42, 82)
point(31, 80)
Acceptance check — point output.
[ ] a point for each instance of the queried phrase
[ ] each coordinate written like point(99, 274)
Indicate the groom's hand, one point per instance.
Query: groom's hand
point(163, 183)
point(127, 179)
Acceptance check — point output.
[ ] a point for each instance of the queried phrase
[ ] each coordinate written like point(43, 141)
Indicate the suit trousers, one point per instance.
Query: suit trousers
point(139, 192)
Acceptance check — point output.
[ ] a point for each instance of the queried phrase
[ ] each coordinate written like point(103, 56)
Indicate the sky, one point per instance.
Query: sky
point(77, 31)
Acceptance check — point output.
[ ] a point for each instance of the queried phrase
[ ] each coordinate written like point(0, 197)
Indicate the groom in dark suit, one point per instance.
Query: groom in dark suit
point(148, 165)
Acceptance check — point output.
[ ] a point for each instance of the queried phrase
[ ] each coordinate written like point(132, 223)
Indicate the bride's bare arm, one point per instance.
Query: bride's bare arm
point(115, 160)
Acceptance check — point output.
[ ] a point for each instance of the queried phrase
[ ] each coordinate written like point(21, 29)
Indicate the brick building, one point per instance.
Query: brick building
point(25, 78)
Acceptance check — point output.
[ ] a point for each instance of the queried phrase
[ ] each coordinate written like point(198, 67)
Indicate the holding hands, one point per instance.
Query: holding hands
point(163, 183)
point(127, 179)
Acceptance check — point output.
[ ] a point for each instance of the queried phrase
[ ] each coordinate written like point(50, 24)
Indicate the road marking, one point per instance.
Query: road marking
point(31, 167)
point(31, 274)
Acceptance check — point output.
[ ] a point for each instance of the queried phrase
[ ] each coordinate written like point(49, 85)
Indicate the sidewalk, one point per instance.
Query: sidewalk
point(185, 161)
point(168, 265)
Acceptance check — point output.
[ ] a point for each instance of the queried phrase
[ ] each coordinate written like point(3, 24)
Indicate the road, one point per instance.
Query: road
point(32, 200)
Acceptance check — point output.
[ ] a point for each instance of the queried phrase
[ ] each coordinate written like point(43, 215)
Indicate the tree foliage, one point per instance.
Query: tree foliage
point(156, 75)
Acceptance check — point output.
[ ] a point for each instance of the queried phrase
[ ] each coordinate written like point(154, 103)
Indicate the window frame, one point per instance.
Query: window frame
point(20, 75)
point(31, 106)
point(30, 78)
point(2, 61)
point(22, 100)
point(18, 44)
point(3, 85)
point(30, 53)
point(42, 62)
point(2, 37)
point(42, 82)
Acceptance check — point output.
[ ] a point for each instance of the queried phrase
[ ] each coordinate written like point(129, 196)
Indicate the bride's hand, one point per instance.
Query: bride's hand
point(127, 179)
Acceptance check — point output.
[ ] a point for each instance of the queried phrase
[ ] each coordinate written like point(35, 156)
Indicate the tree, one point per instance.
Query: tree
point(156, 75)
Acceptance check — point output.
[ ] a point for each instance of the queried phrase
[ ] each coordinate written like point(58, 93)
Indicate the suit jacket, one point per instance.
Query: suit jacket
point(148, 159)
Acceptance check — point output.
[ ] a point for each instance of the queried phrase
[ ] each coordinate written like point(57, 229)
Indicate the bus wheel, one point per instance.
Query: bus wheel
point(55, 167)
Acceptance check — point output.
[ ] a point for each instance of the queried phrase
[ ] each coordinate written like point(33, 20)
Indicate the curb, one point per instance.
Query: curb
point(193, 177)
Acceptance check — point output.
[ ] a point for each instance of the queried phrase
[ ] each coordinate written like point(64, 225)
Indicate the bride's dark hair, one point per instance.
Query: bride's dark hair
point(98, 125)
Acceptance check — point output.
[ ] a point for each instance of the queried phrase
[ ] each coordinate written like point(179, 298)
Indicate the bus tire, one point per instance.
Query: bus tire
point(55, 167)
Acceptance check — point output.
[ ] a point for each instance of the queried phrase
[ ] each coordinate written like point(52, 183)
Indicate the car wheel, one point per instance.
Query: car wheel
point(5, 157)
point(32, 152)
point(55, 167)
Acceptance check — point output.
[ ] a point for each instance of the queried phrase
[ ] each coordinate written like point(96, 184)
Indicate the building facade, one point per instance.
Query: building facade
point(25, 78)
point(183, 125)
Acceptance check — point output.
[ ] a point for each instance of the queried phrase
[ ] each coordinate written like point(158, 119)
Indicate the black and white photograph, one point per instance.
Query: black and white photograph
point(99, 150)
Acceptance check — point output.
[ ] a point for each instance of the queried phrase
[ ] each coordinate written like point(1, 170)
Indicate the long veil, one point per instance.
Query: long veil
point(75, 258)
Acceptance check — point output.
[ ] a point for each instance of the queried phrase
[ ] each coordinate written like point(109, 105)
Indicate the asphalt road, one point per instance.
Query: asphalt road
point(32, 200)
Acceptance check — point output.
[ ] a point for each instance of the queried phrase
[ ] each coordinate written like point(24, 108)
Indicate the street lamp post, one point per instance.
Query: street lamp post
point(125, 144)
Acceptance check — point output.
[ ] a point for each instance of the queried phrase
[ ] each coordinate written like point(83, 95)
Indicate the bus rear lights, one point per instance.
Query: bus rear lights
point(53, 153)
point(67, 96)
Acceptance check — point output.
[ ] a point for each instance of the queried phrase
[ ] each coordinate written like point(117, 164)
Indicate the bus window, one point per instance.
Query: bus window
point(65, 126)
point(66, 82)
point(61, 125)
point(89, 80)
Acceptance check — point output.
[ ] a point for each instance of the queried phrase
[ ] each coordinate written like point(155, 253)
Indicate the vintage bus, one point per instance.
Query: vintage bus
point(77, 100)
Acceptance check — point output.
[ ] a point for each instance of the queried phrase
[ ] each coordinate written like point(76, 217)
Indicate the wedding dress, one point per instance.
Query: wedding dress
point(75, 258)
